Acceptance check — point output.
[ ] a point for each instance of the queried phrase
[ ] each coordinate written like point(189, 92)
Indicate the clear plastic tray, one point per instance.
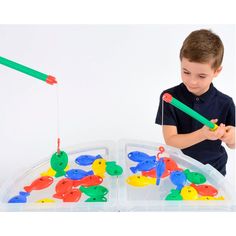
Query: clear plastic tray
point(12, 188)
point(121, 196)
point(151, 198)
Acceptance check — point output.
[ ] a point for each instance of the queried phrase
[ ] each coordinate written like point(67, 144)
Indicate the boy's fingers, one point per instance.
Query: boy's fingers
point(214, 120)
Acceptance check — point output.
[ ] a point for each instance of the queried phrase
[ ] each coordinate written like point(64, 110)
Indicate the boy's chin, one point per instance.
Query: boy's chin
point(195, 92)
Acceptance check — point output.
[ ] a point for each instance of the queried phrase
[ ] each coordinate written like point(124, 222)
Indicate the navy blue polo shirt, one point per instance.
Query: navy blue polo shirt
point(213, 105)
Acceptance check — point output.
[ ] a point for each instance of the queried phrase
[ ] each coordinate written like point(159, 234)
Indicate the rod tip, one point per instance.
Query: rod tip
point(167, 97)
point(51, 80)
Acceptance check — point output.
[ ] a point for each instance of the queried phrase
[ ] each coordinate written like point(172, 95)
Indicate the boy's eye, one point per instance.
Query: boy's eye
point(202, 76)
point(187, 73)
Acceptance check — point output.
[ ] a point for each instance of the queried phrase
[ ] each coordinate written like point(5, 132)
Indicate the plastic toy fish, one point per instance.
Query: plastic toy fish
point(152, 173)
point(140, 156)
point(86, 160)
point(91, 180)
point(178, 178)
point(40, 183)
point(113, 169)
point(144, 166)
point(174, 195)
point(45, 200)
point(59, 162)
point(94, 191)
point(76, 174)
point(171, 165)
point(140, 181)
point(96, 199)
point(21, 198)
point(73, 196)
point(210, 198)
point(51, 172)
point(189, 193)
point(99, 167)
point(63, 186)
point(205, 190)
point(195, 177)
point(160, 169)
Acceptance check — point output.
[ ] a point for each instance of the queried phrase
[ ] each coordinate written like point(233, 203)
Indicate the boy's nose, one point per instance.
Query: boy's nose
point(193, 81)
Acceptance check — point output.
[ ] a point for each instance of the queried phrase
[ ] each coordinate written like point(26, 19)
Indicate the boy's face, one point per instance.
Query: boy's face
point(196, 76)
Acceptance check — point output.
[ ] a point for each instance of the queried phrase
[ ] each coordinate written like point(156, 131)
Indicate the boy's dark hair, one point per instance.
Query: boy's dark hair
point(203, 46)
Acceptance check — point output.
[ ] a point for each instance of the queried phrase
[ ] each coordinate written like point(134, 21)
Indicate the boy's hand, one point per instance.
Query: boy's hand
point(229, 136)
point(213, 135)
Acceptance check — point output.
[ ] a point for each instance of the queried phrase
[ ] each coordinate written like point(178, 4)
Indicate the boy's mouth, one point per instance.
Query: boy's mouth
point(193, 88)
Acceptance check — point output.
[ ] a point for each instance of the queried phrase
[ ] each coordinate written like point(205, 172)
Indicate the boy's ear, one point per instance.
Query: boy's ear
point(217, 72)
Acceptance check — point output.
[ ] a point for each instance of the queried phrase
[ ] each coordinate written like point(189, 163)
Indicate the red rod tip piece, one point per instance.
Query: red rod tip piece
point(51, 80)
point(167, 97)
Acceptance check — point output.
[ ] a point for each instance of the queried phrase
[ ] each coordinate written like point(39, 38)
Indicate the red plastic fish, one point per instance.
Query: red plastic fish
point(171, 165)
point(152, 173)
point(87, 181)
point(63, 186)
point(73, 196)
point(40, 183)
point(205, 190)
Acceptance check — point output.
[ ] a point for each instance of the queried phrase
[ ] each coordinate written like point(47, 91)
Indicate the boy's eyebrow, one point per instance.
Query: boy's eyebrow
point(185, 69)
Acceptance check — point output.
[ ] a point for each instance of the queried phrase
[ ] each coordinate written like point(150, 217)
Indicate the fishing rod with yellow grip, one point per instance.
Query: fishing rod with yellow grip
point(176, 103)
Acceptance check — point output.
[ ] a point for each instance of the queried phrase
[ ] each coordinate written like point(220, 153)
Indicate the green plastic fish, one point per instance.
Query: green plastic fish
point(174, 195)
point(195, 177)
point(113, 169)
point(94, 191)
point(97, 199)
point(59, 163)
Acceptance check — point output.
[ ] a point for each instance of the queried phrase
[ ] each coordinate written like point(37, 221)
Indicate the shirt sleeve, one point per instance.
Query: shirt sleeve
point(231, 114)
point(169, 114)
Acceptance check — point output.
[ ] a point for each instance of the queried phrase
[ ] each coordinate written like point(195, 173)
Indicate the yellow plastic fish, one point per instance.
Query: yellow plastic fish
point(45, 200)
point(51, 172)
point(140, 181)
point(99, 167)
point(189, 193)
point(211, 198)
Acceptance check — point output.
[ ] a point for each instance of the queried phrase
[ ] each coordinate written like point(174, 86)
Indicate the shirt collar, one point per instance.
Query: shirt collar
point(209, 94)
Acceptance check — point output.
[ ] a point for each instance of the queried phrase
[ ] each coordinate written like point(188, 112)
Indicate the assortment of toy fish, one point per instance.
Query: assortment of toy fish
point(75, 182)
point(188, 185)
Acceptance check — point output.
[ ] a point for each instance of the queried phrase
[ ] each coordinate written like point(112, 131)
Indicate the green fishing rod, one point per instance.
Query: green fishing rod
point(26, 70)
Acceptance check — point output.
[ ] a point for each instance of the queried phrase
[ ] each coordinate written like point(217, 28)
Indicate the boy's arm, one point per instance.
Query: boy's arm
point(172, 138)
point(182, 141)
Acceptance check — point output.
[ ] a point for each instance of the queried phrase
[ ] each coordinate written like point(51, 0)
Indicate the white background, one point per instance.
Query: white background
point(110, 79)
point(117, 12)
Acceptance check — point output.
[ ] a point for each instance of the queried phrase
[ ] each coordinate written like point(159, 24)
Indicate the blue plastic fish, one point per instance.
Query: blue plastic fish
point(140, 156)
point(178, 178)
point(86, 160)
point(160, 169)
point(76, 174)
point(21, 198)
point(144, 166)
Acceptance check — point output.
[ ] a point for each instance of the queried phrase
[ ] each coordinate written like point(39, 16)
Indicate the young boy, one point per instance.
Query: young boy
point(201, 56)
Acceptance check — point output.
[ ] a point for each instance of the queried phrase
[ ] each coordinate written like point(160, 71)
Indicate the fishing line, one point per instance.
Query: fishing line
point(58, 119)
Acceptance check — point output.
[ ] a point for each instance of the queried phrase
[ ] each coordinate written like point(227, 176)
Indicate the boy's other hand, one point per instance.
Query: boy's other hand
point(229, 136)
point(213, 135)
